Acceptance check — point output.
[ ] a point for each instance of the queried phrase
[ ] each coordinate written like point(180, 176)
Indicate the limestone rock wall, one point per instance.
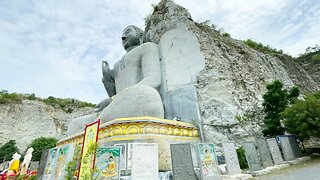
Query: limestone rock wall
point(32, 119)
point(230, 87)
point(311, 65)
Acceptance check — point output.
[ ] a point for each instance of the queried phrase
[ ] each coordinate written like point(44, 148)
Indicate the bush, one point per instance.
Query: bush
point(7, 150)
point(312, 55)
point(226, 34)
point(31, 96)
point(262, 48)
point(242, 158)
point(6, 97)
point(66, 104)
point(303, 117)
point(21, 177)
point(32, 177)
point(41, 144)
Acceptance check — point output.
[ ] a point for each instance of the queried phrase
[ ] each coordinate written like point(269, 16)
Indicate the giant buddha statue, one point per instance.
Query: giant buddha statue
point(132, 85)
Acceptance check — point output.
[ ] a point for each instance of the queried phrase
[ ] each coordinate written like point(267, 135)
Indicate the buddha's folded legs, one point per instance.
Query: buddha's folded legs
point(135, 101)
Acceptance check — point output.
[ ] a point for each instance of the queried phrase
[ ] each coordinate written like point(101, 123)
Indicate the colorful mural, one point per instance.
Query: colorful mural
point(107, 165)
point(65, 155)
point(208, 159)
point(51, 164)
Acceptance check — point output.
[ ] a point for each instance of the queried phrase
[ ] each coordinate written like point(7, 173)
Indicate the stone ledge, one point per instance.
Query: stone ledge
point(299, 160)
point(277, 167)
point(260, 173)
point(236, 177)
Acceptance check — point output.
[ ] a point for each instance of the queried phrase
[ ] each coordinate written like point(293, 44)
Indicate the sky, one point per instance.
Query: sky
point(55, 47)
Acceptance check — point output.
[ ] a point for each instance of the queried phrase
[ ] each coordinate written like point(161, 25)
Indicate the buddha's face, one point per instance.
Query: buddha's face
point(130, 38)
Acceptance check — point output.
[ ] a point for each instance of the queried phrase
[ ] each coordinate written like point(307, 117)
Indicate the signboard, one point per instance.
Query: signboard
point(145, 161)
point(182, 165)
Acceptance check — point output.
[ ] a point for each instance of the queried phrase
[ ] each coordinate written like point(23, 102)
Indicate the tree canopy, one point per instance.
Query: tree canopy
point(7, 150)
point(41, 144)
point(276, 100)
point(303, 117)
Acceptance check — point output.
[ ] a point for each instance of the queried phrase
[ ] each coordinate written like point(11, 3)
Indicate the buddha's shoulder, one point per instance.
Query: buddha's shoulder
point(148, 45)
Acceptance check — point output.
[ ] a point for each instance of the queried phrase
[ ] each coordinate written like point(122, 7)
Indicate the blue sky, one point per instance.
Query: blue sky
point(55, 47)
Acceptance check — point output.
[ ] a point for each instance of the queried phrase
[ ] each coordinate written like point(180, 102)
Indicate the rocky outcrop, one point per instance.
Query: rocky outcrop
point(230, 87)
point(28, 120)
point(311, 63)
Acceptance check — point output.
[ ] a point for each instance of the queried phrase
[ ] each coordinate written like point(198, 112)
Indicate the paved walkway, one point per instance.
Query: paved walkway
point(309, 170)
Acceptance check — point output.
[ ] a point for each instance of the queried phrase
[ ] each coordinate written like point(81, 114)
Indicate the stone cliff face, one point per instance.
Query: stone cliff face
point(28, 120)
point(311, 63)
point(230, 87)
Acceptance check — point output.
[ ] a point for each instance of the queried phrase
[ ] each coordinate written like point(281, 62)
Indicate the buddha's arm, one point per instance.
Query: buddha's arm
point(150, 66)
point(108, 79)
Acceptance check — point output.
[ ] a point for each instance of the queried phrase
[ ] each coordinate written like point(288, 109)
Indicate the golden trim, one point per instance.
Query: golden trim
point(138, 126)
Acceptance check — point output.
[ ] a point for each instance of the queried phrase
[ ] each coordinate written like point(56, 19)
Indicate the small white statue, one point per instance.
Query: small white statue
point(13, 165)
point(26, 161)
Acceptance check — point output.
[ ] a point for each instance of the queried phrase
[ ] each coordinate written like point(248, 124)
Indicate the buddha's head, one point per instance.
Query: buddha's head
point(110, 158)
point(16, 156)
point(29, 151)
point(132, 36)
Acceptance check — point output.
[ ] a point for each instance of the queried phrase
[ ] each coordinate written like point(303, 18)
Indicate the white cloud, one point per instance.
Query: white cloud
point(55, 47)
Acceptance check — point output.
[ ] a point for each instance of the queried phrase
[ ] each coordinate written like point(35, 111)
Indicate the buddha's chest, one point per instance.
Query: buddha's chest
point(128, 71)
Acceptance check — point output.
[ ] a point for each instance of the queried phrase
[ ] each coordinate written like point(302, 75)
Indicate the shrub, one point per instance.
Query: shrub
point(7, 150)
point(41, 144)
point(242, 158)
point(31, 96)
point(6, 97)
point(226, 34)
point(32, 177)
point(312, 55)
point(262, 48)
point(22, 177)
point(66, 104)
point(73, 165)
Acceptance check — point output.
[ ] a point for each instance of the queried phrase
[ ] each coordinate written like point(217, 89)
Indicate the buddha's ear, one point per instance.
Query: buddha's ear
point(141, 34)
point(141, 37)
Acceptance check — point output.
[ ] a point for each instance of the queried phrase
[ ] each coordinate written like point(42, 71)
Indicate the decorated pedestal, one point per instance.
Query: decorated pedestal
point(143, 130)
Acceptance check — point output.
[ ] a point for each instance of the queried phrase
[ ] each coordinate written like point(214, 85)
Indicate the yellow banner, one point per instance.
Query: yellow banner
point(87, 155)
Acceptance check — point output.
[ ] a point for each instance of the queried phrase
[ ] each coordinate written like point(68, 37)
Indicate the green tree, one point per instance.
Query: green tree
point(276, 99)
point(303, 117)
point(41, 144)
point(7, 150)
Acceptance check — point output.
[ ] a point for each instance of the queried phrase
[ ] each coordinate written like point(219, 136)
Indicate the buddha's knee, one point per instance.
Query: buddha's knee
point(78, 124)
point(134, 101)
